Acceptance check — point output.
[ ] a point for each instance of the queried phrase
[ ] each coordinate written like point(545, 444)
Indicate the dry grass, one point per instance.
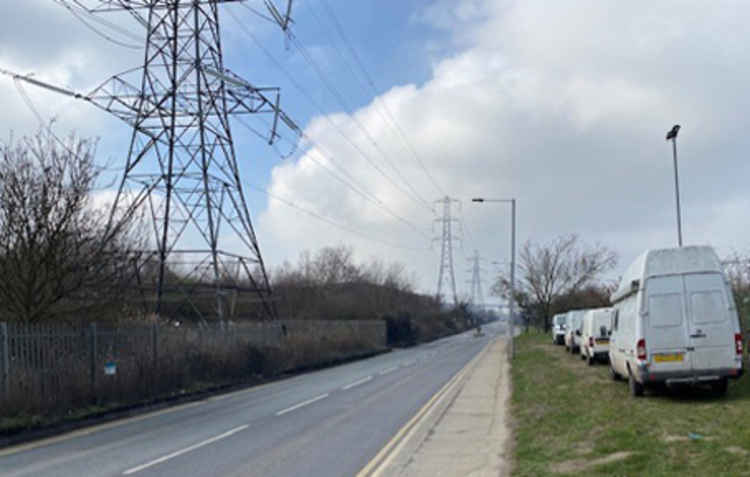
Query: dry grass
point(187, 361)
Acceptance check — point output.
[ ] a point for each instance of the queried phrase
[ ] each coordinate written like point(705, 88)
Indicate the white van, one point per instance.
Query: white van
point(573, 332)
point(559, 324)
point(595, 330)
point(675, 321)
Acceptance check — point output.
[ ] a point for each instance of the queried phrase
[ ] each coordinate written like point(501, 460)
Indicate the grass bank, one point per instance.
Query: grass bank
point(571, 418)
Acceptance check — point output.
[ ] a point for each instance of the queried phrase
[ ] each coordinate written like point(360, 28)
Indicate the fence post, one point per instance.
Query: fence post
point(4, 370)
point(155, 358)
point(155, 344)
point(92, 357)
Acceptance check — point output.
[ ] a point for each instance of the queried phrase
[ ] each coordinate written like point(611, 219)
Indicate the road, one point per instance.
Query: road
point(325, 423)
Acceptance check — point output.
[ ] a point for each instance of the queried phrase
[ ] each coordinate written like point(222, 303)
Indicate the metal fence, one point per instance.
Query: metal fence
point(44, 365)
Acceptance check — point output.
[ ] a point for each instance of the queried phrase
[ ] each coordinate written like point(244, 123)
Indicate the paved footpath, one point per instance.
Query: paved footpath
point(467, 432)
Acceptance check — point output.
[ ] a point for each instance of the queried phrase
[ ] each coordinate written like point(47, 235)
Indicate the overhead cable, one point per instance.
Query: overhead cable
point(323, 218)
point(378, 100)
point(107, 37)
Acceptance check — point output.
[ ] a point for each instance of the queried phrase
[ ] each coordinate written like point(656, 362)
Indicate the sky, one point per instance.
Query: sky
point(561, 105)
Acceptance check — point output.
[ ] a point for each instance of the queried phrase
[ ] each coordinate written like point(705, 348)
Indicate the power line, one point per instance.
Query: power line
point(328, 220)
point(310, 99)
point(350, 184)
point(80, 18)
point(317, 106)
point(378, 100)
point(332, 89)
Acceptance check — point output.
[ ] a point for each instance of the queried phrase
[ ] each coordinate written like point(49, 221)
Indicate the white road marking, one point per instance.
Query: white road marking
point(185, 450)
point(357, 383)
point(303, 403)
point(388, 370)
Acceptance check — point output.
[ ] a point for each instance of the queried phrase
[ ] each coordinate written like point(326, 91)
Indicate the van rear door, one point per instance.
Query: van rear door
point(666, 330)
point(710, 326)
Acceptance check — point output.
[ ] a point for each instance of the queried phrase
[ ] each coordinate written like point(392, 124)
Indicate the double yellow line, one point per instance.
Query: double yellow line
point(382, 459)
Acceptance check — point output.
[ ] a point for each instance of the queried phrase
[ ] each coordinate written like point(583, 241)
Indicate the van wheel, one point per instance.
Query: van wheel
point(614, 374)
point(720, 387)
point(636, 388)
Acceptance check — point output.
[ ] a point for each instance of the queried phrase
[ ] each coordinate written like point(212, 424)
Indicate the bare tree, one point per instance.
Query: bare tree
point(549, 271)
point(57, 255)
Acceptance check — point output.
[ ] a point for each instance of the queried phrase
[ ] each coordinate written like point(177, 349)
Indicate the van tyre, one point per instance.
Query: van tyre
point(636, 388)
point(720, 387)
point(614, 374)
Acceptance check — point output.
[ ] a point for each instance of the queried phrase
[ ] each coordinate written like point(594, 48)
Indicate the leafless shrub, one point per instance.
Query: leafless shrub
point(58, 258)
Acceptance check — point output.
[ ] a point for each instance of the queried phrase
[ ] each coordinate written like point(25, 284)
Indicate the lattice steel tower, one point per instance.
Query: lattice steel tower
point(446, 248)
point(477, 295)
point(204, 258)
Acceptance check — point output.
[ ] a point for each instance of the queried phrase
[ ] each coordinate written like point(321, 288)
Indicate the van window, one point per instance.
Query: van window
point(708, 306)
point(665, 310)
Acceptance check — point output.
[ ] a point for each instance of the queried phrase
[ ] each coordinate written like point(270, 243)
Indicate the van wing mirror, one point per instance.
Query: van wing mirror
point(578, 332)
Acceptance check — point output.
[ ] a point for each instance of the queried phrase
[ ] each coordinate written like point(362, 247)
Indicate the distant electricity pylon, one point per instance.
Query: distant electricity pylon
point(446, 248)
point(181, 163)
point(477, 295)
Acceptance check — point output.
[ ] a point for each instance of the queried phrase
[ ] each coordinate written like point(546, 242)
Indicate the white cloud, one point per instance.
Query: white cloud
point(563, 105)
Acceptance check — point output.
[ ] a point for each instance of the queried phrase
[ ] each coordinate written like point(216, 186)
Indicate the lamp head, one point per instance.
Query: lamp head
point(673, 132)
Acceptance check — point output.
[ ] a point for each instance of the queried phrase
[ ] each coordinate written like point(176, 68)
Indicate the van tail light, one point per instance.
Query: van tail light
point(738, 344)
point(591, 342)
point(640, 349)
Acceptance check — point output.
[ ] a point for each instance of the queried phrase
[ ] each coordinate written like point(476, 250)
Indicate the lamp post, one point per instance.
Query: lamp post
point(672, 135)
point(512, 203)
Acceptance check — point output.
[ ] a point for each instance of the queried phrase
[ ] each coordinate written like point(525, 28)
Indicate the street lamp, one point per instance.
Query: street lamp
point(672, 135)
point(512, 203)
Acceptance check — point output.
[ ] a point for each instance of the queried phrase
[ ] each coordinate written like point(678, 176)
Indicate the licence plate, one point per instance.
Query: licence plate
point(662, 358)
point(602, 341)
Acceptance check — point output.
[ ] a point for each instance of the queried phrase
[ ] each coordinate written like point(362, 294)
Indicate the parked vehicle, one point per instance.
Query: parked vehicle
point(675, 322)
point(559, 324)
point(573, 331)
point(595, 330)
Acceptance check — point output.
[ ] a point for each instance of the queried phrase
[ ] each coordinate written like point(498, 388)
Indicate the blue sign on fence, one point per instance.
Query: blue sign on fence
point(110, 368)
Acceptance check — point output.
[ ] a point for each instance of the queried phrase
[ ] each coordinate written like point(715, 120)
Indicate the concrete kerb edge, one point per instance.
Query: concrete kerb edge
point(380, 462)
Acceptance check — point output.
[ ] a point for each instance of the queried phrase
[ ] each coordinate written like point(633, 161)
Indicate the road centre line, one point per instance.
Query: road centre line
point(185, 450)
point(389, 370)
point(302, 404)
point(357, 383)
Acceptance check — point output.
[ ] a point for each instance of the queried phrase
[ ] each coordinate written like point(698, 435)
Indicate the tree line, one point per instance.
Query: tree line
point(62, 258)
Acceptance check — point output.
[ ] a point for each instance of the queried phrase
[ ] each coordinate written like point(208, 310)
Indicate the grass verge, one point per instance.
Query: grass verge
point(572, 419)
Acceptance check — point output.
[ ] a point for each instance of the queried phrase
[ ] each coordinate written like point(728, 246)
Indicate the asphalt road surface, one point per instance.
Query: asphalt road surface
point(326, 423)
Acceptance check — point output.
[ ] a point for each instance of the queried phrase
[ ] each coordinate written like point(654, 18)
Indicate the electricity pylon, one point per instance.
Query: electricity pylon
point(446, 248)
point(477, 295)
point(181, 164)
